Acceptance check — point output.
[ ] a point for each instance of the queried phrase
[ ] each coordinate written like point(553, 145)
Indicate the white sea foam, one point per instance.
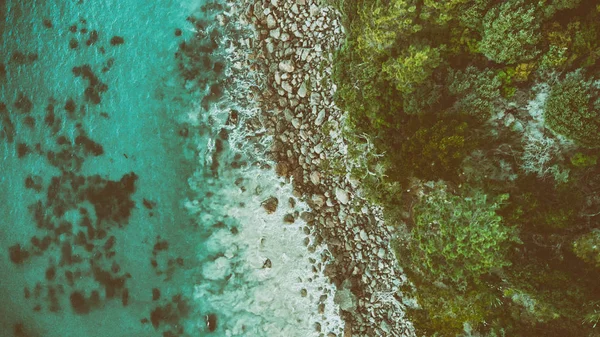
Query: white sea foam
point(254, 299)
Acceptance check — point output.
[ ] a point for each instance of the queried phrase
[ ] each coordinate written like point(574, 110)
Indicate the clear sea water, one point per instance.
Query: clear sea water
point(130, 202)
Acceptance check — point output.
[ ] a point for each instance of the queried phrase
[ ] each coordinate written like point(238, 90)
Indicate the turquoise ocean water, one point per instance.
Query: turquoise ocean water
point(130, 198)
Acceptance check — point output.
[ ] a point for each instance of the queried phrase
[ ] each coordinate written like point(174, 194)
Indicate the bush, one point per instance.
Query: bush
point(569, 111)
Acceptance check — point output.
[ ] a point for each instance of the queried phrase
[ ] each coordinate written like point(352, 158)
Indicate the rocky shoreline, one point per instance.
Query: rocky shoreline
point(292, 54)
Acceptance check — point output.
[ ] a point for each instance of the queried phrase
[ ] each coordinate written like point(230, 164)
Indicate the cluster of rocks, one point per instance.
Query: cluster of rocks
point(293, 52)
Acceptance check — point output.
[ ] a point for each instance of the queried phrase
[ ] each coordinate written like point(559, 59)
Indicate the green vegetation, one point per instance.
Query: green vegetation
point(487, 99)
point(569, 111)
point(459, 238)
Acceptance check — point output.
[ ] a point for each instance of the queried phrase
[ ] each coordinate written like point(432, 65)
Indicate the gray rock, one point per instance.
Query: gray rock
point(296, 123)
point(286, 86)
point(315, 177)
point(363, 235)
point(302, 90)
point(318, 200)
point(381, 253)
point(287, 66)
point(341, 195)
point(275, 33)
point(320, 118)
point(271, 22)
point(345, 298)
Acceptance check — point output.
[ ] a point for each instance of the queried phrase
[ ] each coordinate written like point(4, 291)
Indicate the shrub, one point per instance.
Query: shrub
point(582, 160)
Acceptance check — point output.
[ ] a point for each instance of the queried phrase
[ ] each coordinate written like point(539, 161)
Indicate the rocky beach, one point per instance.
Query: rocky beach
point(291, 54)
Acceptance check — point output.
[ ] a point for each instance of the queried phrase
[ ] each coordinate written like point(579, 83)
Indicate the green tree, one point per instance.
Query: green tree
point(459, 238)
point(476, 91)
point(456, 241)
point(511, 33)
point(413, 67)
point(437, 151)
point(587, 247)
point(382, 23)
point(570, 110)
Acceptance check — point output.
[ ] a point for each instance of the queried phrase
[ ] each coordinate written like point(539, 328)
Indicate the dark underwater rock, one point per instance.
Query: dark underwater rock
point(23, 103)
point(93, 38)
point(117, 40)
point(211, 322)
point(17, 254)
point(73, 44)
point(79, 304)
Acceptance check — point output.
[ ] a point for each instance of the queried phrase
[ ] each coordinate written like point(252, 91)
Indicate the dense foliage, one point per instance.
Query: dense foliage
point(489, 99)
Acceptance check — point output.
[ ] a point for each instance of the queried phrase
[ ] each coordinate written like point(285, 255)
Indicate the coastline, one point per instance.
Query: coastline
point(292, 53)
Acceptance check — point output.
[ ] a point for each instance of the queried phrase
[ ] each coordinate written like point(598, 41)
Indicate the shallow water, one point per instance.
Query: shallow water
point(130, 206)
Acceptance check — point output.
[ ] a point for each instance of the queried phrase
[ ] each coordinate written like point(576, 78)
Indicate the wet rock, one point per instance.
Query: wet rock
point(275, 33)
point(270, 205)
point(289, 218)
point(282, 169)
point(307, 216)
point(47, 23)
point(178, 32)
